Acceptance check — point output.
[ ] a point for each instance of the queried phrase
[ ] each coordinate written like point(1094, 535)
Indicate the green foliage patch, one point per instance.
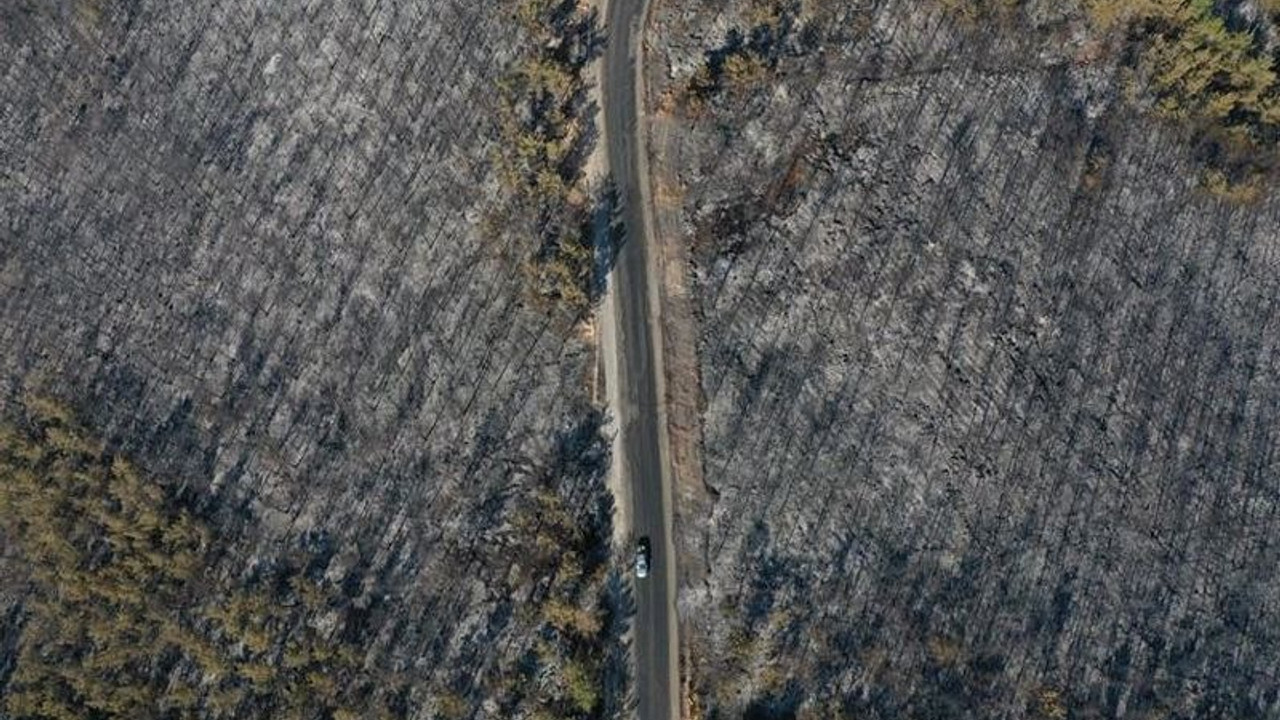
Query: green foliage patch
point(1210, 71)
point(1211, 67)
point(128, 617)
point(544, 142)
point(749, 57)
point(1201, 70)
point(564, 552)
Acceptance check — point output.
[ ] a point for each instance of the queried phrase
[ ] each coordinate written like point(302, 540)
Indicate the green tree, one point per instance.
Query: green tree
point(123, 590)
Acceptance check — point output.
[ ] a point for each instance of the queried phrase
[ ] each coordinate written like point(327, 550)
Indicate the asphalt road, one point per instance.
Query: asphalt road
point(635, 306)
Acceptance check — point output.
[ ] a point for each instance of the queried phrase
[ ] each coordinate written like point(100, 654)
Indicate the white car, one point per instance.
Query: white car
point(642, 558)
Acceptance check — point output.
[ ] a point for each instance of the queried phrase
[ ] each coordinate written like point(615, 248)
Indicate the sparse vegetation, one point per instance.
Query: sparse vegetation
point(1210, 67)
point(1210, 71)
point(128, 613)
point(546, 136)
point(1200, 69)
point(568, 545)
point(1050, 705)
point(747, 58)
point(129, 609)
point(944, 651)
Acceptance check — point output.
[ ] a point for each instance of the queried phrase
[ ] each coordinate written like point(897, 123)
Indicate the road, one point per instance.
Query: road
point(639, 375)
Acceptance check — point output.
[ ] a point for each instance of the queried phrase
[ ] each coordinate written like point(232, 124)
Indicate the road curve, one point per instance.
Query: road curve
point(639, 377)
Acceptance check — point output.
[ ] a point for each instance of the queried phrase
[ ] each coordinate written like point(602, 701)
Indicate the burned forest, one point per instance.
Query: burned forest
point(762, 359)
point(987, 338)
point(286, 434)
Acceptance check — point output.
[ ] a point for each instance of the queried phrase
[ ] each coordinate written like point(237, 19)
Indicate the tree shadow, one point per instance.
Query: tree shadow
point(608, 235)
point(779, 705)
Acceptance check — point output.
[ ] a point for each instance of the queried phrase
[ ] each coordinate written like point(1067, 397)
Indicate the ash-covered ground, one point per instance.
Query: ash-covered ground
point(990, 382)
point(245, 242)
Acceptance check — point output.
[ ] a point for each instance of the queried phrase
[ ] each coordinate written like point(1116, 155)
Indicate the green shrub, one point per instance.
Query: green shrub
point(582, 686)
